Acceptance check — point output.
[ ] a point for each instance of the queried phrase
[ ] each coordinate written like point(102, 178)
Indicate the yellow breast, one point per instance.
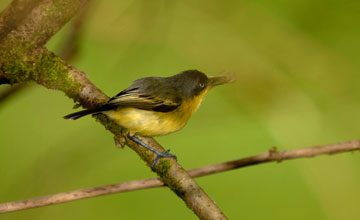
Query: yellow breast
point(151, 123)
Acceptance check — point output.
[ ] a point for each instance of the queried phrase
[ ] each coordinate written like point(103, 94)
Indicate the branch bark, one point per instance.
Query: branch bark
point(68, 51)
point(34, 22)
point(23, 58)
point(271, 156)
point(14, 15)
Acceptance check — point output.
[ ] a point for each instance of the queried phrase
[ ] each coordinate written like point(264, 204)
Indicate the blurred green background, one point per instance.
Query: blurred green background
point(298, 85)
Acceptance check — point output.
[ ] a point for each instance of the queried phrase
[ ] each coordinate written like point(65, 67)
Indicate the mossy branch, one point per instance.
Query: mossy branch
point(68, 51)
point(23, 58)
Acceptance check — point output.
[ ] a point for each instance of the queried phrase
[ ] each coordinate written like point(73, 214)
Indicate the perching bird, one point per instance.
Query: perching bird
point(154, 106)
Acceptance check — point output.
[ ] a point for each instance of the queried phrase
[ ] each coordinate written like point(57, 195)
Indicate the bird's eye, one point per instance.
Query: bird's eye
point(202, 85)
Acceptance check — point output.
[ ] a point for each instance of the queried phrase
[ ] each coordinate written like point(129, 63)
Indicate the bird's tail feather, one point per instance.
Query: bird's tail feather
point(76, 115)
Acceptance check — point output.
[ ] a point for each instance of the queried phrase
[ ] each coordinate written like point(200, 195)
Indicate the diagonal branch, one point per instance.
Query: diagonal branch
point(68, 51)
point(14, 15)
point(23, 58)
point(271, 156)
point(31, 23)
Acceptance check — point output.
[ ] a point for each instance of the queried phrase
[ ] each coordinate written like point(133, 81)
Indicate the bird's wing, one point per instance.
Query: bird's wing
point(146, 100)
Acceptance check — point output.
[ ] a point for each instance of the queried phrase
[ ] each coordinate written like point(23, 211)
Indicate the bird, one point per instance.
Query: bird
point(156, 106)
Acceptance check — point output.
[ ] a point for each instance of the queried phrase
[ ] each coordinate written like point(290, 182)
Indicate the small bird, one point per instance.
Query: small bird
point(154, 106)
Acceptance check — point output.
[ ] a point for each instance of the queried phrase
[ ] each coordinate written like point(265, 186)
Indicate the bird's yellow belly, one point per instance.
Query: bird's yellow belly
point(148, 123)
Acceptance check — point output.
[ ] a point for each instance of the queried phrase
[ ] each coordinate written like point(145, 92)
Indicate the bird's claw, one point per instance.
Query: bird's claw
point(160, 155)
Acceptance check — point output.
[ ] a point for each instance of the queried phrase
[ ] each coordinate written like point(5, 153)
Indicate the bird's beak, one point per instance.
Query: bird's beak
point(221, 79)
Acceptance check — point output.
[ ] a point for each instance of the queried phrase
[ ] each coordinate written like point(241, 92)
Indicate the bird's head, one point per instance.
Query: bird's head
point(192, 83)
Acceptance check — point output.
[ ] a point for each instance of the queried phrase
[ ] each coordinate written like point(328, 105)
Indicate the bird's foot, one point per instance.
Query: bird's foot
point(160, 155)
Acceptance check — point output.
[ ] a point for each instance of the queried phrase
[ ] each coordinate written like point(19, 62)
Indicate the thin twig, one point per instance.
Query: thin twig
point(270, 156)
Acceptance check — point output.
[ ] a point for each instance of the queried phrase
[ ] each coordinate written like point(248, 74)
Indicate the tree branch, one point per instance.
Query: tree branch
point(68, 51)
point(31, 23)
point(14, 15)
point(23, 58)
point(270, 156)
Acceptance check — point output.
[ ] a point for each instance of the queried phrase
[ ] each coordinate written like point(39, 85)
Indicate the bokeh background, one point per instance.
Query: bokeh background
point(298, 85)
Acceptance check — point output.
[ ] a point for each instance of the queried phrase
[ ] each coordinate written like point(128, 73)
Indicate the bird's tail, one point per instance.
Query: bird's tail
point(76, 115)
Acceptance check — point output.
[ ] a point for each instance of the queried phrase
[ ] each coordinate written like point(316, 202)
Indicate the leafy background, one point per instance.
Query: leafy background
point(298, 85)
